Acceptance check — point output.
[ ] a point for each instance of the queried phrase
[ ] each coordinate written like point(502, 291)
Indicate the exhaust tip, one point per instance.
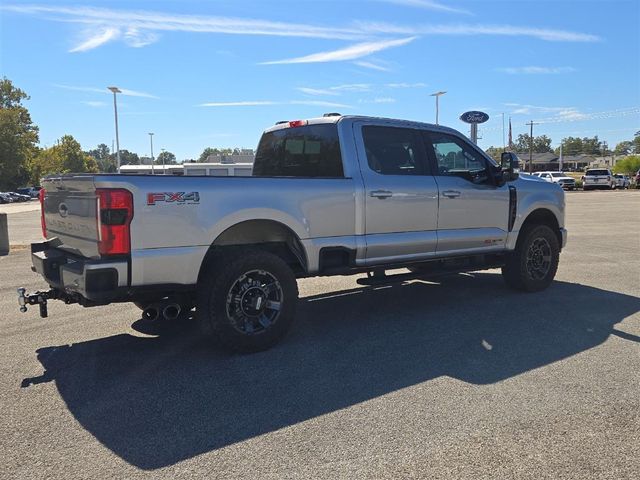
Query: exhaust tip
point(171, 311)
point(150, 313)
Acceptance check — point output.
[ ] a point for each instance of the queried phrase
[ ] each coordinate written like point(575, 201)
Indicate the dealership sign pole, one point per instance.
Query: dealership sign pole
point(474, 118)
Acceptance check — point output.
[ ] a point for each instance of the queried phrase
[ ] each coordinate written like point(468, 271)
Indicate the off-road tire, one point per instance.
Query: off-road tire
point(216, 294)
point(524, 266)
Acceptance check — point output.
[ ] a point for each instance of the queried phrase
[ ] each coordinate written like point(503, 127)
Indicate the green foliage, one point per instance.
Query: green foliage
point(214, 151)
point(541, 144)
point(623, 148)
point(577, 146)
point(166, 158)
point(127, 158)
point(105, 160)
point(495, 153)
point(629, 165)
point(64, 157)
point(18, 136)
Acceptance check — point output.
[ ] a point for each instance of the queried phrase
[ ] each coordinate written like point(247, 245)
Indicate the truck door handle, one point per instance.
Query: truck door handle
point(381, 193)
point(451, 193)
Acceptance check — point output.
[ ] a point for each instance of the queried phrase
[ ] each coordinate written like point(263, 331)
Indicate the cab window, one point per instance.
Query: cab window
point(392, 150)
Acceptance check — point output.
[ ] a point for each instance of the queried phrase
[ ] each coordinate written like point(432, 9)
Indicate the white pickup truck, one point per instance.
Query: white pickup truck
point(335, 195)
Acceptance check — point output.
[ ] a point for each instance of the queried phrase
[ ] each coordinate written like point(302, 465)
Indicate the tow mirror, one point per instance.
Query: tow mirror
point(510, 165)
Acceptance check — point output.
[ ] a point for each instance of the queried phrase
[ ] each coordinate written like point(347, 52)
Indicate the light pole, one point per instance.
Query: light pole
point(115, 110)
point(437, 95)
point(151, 139)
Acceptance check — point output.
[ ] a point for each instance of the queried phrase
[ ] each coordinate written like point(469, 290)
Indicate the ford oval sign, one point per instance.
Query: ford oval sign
point(474, 117)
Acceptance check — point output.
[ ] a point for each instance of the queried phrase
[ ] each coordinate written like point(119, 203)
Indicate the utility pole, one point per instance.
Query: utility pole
point(115, 110)
point(531, 124)
point(151, 139)
point(437, 95)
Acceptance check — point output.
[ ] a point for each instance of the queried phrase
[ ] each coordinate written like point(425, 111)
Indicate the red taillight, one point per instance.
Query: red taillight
point(43, 223)
point(115, 210)
point(297, 123)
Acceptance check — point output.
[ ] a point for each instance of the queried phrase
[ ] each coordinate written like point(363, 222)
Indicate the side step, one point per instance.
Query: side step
point(379, 276)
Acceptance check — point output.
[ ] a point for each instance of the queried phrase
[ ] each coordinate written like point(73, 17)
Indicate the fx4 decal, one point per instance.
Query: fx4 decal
point(180, 198)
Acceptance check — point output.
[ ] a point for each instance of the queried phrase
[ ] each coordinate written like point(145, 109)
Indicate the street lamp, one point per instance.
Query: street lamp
point(115, 110)
point(437, 95)
point(151, 139)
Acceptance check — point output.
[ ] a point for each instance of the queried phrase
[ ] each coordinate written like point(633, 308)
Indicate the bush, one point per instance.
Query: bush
point(629, 165)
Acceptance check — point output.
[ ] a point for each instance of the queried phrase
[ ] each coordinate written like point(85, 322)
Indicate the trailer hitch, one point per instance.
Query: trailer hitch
point(40, 299)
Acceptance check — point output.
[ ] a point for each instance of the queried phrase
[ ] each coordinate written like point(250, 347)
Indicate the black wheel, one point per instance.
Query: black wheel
point(247, 300)
point(533, 264)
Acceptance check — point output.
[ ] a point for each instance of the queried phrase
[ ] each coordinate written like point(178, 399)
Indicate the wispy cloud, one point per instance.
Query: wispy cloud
point(379, 100)
point(95, 104)
point(124, 91)
point(348, 53)
point(406, 85)
point(262, 103)
point(430, 5)
point(569, 114)
point(353, 87)
point(531, 70)
point(94, 40)
point(138, 28)
point(548, 34)
point(372, 66)
point(317, 91)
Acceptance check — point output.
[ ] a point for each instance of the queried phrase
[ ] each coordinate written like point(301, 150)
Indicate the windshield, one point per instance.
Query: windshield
point(558, 174)
point(597, 172)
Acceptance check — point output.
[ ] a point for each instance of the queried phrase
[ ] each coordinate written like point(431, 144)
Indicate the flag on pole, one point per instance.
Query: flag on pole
point(510, 137)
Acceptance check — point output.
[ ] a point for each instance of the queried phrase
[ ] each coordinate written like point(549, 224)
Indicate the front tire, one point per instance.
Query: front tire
point(247, 300)
point(532, 266)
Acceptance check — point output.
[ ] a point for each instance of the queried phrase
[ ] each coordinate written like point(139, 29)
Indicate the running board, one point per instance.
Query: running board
point(379, 277)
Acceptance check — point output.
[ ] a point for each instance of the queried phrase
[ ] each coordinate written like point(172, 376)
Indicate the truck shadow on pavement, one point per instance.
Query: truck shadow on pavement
point(155, 401)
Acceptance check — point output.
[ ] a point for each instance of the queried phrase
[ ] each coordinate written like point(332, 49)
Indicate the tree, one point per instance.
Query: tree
point(577, 146)
point(629, 165)
point(541, 144)
point(636, 143)
point(64, 157)
point(623, 148)
point(18, 136)
point(166, 158)
point(127, 158)
point(495, 153)
point(214, 151)
point(106, 161)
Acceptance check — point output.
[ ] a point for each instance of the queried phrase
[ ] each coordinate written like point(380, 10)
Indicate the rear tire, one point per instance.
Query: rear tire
point(532, 266)
point(247, 300)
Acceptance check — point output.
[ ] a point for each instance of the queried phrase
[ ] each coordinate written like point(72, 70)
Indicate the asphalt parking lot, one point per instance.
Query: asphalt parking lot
point(456, 378)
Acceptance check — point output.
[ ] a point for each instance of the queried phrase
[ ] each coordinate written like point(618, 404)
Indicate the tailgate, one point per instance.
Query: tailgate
point(70, 206)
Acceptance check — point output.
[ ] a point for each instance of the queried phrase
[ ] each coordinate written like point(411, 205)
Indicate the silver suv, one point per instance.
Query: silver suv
point(598, 178)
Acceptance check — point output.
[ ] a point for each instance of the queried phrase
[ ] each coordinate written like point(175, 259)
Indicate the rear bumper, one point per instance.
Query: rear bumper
point(98, 281)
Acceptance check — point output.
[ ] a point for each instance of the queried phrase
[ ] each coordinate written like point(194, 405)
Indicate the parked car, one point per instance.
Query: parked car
point(17, 197)
point(5, 198)
point(328, 196)
point(32, 192)
point(622, 181)
point(598, 178)
point(562, 179)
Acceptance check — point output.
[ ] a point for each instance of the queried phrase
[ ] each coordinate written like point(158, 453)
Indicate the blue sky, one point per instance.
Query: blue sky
point(216, 73)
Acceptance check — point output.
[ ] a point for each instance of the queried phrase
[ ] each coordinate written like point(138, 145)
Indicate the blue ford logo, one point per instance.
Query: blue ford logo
point(474, 117)
point(63, 210)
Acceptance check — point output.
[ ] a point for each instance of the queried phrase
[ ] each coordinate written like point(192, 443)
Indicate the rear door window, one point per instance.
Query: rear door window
point(393, 150)
point(309, 151)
